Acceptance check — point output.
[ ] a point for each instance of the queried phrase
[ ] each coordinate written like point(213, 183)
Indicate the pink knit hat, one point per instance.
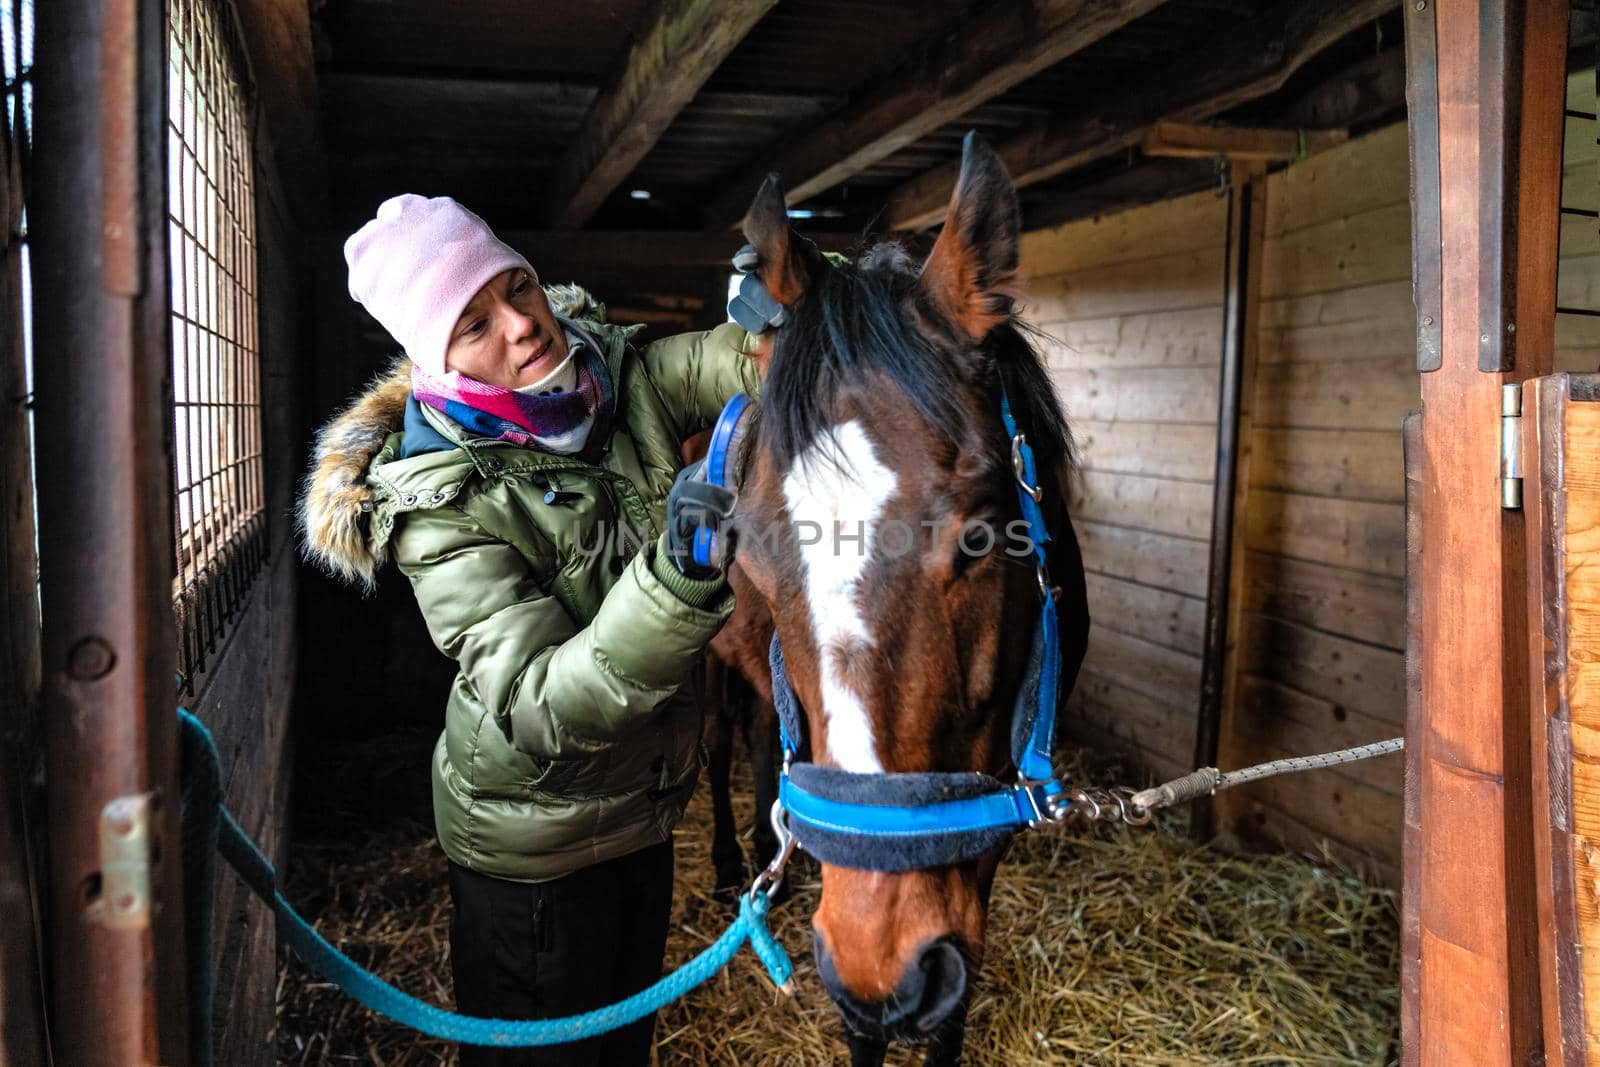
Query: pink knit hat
point(418, 264)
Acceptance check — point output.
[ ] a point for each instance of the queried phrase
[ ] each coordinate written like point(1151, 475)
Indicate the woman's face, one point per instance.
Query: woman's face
point(507, 336)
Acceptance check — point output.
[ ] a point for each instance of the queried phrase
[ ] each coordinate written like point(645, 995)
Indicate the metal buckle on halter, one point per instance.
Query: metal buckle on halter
point(1042, 803)
point(1020, 470)
point(770, 880)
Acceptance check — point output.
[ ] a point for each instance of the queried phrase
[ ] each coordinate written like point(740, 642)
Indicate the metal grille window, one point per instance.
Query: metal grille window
point(219, 511)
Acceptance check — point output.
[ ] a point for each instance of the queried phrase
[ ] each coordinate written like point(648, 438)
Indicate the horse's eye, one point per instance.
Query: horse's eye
point(975, 541)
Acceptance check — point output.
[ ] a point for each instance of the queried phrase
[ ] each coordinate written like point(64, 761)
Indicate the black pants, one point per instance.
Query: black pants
point(558, 948)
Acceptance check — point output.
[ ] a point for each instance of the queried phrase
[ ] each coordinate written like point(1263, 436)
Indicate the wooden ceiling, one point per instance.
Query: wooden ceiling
point(663, 115)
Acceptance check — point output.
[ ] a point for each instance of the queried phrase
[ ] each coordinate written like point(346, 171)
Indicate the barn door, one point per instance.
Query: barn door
point(1560, 455)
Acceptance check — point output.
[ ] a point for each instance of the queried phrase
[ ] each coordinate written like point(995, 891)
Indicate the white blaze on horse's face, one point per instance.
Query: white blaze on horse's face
point(839, 485)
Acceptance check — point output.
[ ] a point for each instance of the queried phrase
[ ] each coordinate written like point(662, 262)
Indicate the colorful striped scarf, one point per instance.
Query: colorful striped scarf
point(521, 419)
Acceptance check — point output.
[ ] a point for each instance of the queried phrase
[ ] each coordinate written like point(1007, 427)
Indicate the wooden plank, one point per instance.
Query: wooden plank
point(1160, 560)
point(1156, 504)
point(1131, 718)
point(1157, 449)
point(1337, 600)
point(1580, 546)
point(1183, 224)
point(1232, 67)
point(1193, 140)
point(1347, 533)
point(678, 45)
point(556, 254)
point(1354, 814)
point(1364, 175)
point(1081, 726)
point(1159, 616)
point(1388, 303)
point(1557, 852)
point(1236, 405)
point(1422, 124)
point(1297, 722)
point(997, 48)
point(1411, 836)
point(1162, 674)
point(1340, 254)
point(1182, 280)
point(1372, 338)
point(1353, 464)
point(1359, 394)
point(1353, 675)
point(1191, 337)
point(1477, 981)
point(1179, 394)
point(1267, 826)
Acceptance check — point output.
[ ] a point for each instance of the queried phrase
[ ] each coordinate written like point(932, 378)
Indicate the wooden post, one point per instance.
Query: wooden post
point(1241, 322)
point(1499, 68)
point(99, 207)
point(1561, 445)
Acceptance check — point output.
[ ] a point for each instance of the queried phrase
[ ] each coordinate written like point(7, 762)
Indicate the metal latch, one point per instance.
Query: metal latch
point(1511, 446)
point(123, 902)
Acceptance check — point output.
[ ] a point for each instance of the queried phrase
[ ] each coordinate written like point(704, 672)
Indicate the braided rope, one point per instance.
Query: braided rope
point(1208, 780)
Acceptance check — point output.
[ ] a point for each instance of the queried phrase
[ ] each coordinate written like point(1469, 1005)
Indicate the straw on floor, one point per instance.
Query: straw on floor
point(1115, 947)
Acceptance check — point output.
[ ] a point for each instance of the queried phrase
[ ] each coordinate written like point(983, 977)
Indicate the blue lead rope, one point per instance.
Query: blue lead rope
point(206, 818)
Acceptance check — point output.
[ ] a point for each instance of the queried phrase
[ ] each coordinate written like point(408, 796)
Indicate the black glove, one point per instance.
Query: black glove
point(753, 307)
point(692, 505)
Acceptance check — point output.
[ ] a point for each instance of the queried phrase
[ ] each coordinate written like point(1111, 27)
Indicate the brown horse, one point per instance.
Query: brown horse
point(880, 408)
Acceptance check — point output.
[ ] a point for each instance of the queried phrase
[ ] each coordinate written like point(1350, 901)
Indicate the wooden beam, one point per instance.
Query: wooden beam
point(1241, 333)
point(559, 256)
point(1232, 68)
point(1500, 85)
point(288, 139)
point(1189, 140)
point(679, 45)
point(1004, 45)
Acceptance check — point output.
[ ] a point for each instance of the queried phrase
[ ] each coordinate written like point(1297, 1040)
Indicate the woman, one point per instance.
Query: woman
point(519, 468)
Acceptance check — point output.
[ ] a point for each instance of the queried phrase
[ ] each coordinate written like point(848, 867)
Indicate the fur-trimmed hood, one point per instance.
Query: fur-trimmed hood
point(337, 499)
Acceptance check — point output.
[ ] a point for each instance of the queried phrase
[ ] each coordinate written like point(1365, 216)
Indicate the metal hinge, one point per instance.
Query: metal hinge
point(1511, 446)
point(123, 901)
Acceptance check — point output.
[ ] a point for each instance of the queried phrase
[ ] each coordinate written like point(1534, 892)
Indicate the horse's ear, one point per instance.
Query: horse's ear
point(787, 259)
point(971, 274)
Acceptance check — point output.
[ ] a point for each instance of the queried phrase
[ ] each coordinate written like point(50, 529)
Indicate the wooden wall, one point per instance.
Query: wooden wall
point(1134, 304)
point(1321, 635)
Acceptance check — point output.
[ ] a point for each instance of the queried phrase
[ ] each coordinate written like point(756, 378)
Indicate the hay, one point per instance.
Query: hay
point(1109, 947)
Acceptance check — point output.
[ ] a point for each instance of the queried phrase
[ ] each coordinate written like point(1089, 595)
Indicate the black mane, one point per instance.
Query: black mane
point(851, 324)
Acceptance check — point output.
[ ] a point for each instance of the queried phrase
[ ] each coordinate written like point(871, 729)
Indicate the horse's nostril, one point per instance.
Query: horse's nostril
point(944, 983)
point(931, 987)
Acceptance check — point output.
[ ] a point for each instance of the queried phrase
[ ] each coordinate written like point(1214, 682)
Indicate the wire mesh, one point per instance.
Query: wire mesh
point(219, 507)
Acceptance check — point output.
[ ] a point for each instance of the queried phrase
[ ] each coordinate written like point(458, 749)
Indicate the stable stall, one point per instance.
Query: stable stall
point(1257, 235)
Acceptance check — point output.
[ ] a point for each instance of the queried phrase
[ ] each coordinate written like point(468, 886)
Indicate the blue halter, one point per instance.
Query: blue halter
point(904, 821)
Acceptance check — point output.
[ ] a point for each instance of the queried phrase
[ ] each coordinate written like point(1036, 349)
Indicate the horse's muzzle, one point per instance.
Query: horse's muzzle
point(933, 985)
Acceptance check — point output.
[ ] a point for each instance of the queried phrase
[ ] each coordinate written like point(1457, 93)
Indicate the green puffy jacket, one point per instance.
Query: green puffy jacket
point(571, 734)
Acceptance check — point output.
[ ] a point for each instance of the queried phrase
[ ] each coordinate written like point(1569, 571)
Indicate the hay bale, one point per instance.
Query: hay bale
point(1110, 947)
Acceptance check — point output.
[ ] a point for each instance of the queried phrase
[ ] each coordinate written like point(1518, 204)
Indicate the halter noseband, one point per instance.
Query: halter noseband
point(905, 821)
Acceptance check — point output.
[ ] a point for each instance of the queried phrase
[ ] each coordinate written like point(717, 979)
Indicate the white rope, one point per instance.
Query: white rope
point(1208, 780)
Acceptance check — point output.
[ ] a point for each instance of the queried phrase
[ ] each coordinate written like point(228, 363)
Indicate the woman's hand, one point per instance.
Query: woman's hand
point(698, 508)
